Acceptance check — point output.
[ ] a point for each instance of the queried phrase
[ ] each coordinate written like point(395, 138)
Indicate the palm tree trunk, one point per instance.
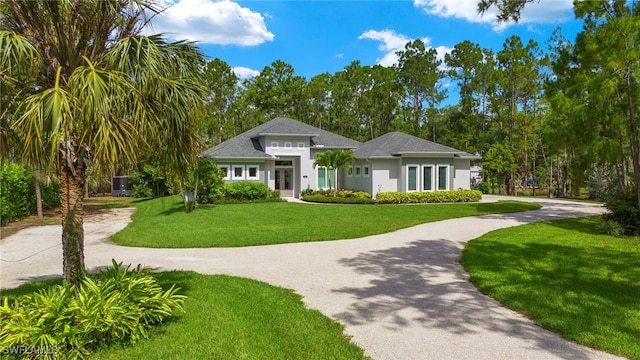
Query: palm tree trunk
point(72, 194)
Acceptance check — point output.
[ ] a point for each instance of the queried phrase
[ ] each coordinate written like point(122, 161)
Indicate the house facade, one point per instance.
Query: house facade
point(281, 152)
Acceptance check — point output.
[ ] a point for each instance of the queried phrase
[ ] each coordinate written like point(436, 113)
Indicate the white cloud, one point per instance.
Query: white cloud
point(212, 22)
point(535, 12)
point(391, 42)
point(338, 56)
point(245, 73)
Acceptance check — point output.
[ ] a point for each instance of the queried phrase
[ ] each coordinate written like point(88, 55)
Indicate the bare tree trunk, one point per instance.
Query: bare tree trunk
point(71, 196)
point(36, 185)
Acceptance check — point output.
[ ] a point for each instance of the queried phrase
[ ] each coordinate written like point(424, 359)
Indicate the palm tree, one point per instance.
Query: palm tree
point(103, 95)
point(336, 160)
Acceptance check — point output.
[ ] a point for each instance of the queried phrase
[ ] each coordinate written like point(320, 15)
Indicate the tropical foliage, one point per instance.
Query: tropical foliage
point(100, 95)
point(116, 306)
point(336, 160)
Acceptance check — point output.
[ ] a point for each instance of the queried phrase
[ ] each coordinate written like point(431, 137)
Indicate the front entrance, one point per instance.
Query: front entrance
point(284, 181)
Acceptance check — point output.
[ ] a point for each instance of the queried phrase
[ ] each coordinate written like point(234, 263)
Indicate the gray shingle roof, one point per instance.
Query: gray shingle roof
point(397, 143)
point(246, 145)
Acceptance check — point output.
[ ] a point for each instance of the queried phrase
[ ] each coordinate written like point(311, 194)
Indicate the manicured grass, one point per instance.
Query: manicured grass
point(234, 318)
point(162, 222)
point(566, 278)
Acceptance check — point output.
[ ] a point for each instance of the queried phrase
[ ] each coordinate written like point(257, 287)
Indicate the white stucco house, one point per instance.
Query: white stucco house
point(280, 153)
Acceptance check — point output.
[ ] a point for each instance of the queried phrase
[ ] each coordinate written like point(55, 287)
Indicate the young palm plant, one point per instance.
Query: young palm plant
point(336, 160)
point(103, 95)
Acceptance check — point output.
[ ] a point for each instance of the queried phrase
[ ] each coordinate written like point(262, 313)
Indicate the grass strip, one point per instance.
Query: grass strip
point(232, 318)
point(162, 222)
point(565, 277)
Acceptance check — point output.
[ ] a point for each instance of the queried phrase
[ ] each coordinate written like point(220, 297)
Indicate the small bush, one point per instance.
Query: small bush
point(17, 198)
point(429, 197)
point(140, 191)
point(482, 186)
point(50, 195)
point(116, 306)
point(246, 190)
point(338, 200)
point(609, 227)
point(623, 209)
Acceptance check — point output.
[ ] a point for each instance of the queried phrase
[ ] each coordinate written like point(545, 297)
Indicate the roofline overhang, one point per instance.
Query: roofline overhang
point(242, 158)
point(423, 153)
point(282, 134)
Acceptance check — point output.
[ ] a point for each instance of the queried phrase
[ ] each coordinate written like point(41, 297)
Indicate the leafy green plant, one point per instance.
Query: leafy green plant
point(115, 306)
point(16, 198)
point(623, 209)
point(609, 227)
point(482, 186)
point(246, 190)
point(338, 200)
point(429, 197)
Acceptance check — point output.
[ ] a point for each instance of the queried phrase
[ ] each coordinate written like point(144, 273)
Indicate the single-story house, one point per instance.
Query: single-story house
point(281, 152)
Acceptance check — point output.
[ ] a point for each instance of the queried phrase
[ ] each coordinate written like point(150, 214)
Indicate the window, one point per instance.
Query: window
point(226, 171)
point(238, 172)
point(288, 145)
point(357, 171)
point(252, 172)
point(365, 170)
point(412, 178)
point(349, 171)
point(427, 178)
point(284, 162)
point(300, 145)
point(274, 145)
point(325, 178)
point(442, 177)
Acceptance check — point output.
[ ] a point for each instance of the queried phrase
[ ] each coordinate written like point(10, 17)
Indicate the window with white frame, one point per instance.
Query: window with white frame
point(238, 172)
point(412, 178)
point(274, 145)
point(288, 145)
point(357, 171)
point(300, 145)
point(365, 171)
point(350, 171)
point(443, 177)
point(226, 171)
point(427, 178)
point(325, 178)
point(252, 172)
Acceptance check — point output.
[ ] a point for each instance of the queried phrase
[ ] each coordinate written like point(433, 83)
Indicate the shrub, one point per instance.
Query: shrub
point(17, 199)
point(482, 186)
point(338, 200)
point(429, 197)
point(623, 209)
point(609, 227)
point(140, 191)
point(246, 190)
point(50, 194)
point(116, 306)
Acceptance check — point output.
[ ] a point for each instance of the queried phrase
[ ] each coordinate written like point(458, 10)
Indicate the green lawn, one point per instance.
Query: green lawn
point(566, 278)
point(233, 318)
point(162, 222)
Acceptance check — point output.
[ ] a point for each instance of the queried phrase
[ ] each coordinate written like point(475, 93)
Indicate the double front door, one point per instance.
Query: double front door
point(284, 181)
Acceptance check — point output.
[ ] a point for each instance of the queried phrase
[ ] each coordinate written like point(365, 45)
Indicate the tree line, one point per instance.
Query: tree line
point(560, 115)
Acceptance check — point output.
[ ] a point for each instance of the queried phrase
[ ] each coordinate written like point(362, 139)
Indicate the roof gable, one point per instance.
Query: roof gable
point(398, 143)
point(246, 145)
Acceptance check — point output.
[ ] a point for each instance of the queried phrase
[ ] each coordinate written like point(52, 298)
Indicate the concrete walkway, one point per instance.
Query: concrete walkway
point(401, 295)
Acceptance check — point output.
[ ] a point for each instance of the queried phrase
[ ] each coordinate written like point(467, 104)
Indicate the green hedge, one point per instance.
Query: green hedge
point(429, 197)
point(17, 193)
point(337, 200)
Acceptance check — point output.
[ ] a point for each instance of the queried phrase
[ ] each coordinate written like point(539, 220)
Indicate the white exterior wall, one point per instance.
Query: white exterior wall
point(462, 174)
point(354, 182)
point(294, 148)
point(385, 175)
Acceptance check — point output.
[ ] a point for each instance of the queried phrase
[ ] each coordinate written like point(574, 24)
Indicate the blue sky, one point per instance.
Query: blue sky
point(325, 36)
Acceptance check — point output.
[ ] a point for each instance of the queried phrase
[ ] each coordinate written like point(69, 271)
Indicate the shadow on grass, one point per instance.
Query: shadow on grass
point(423, 284)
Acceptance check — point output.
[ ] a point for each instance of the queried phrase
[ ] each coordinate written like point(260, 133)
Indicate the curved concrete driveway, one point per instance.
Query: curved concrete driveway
point(401, 295)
